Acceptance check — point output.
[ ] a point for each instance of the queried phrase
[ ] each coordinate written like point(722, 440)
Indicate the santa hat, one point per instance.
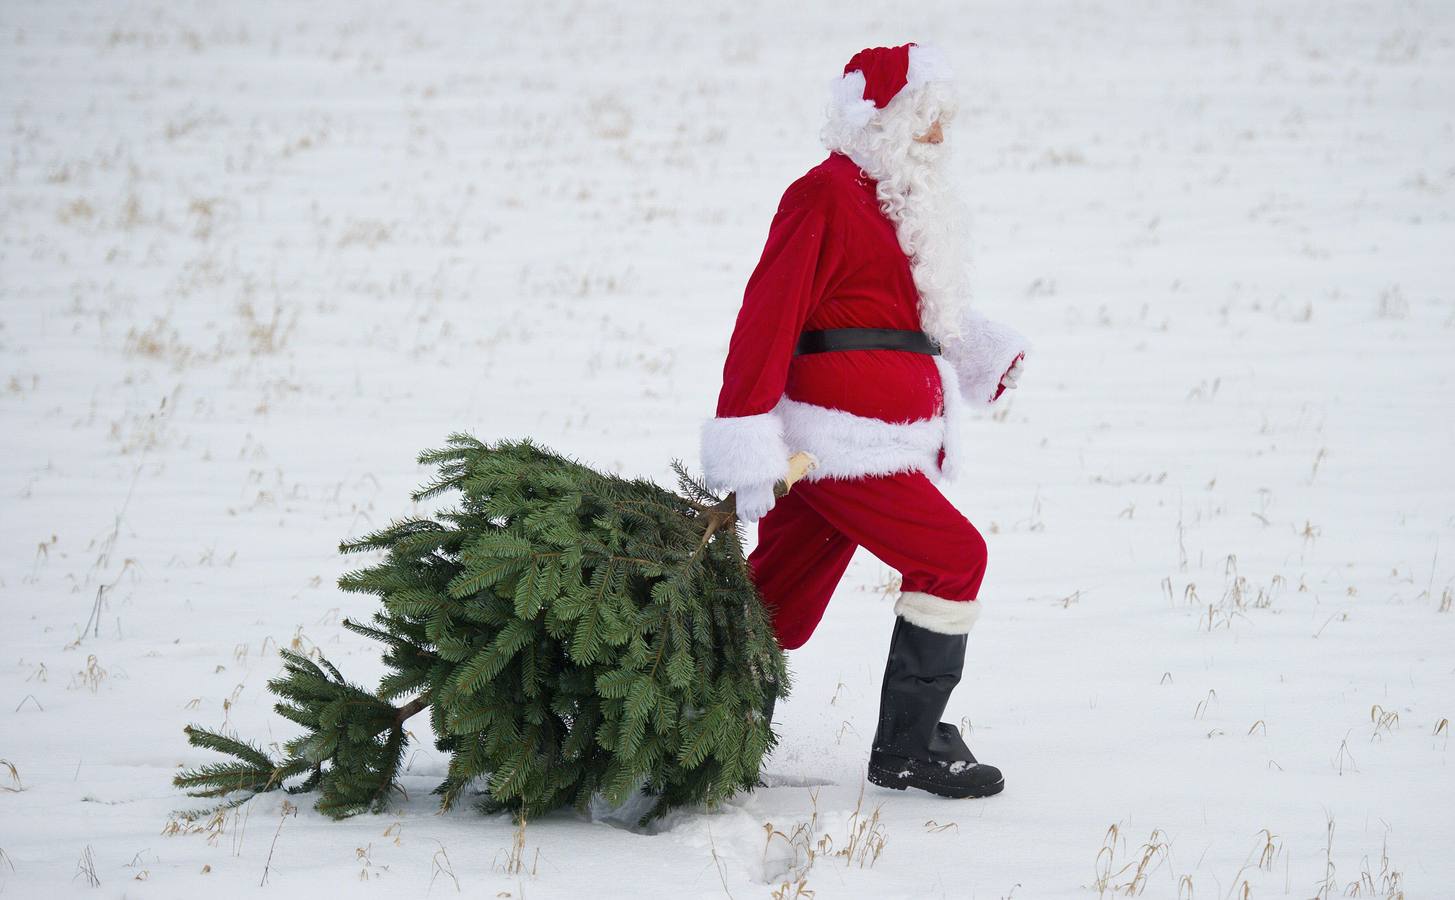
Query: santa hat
point(875, 76)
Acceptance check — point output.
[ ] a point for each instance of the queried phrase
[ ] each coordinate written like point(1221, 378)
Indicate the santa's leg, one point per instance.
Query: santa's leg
point(907, 523)
point(796, 565)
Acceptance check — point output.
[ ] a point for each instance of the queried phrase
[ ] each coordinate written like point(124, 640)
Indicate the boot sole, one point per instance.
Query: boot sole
point(896, 781)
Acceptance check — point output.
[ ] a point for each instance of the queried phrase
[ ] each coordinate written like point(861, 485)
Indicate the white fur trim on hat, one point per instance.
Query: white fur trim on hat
point(738, 451)
point(927, 64)
point(937, 613)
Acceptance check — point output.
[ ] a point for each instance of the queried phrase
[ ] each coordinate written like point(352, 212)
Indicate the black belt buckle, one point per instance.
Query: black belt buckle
point(827, 339)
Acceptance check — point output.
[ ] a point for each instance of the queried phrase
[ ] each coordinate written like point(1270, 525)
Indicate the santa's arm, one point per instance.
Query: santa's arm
point(982, 353)
point(743, 445)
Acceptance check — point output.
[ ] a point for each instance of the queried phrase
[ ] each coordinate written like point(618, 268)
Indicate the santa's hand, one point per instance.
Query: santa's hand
point(754, 501)
point(1013, 374)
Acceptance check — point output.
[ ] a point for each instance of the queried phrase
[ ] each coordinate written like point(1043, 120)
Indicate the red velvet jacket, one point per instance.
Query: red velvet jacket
point(832, 260)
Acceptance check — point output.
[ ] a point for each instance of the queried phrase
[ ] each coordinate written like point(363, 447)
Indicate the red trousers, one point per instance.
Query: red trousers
point(806, 540)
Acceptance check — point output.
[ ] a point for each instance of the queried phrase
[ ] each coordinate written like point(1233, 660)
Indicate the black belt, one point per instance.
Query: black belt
point(866, 339)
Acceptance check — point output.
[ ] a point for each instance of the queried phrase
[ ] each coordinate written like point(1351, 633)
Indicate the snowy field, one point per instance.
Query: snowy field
point(254, 259)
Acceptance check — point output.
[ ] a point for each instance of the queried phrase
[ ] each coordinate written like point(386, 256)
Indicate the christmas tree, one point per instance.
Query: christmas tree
point(571, 633)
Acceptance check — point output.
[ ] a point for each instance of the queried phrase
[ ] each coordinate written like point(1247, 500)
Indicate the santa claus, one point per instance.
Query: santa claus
point(856, 343)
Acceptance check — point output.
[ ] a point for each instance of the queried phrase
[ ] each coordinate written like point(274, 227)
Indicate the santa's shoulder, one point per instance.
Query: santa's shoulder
point(825, 185)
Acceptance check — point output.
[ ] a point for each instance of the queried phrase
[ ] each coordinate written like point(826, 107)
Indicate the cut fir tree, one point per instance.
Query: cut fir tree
point(571, 633)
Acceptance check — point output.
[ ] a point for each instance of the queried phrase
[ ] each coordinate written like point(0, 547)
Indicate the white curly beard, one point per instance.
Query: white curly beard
point(929, 222)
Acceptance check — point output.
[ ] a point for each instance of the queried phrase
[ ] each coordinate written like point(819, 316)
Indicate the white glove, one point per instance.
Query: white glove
point(1013, 374)
point(754, 501)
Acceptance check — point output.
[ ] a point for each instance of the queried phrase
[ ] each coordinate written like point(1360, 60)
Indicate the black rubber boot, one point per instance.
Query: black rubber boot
point(912, 747)
point(767, 710)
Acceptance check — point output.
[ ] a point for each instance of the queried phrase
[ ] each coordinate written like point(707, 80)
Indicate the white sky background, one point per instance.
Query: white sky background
point(254, 259)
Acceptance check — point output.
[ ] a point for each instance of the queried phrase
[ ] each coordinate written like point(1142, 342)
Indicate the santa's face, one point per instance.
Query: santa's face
point(933, 135)
point(923, 160)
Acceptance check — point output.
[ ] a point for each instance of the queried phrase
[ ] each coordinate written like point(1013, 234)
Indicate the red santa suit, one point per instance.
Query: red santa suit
point(882, 423)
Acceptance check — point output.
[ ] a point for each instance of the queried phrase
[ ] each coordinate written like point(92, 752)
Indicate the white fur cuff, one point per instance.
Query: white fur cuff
point(937, 613)
point(981, 354)
point(743, 450)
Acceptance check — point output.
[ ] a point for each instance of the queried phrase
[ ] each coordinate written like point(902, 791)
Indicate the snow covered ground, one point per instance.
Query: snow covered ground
point(254, 259)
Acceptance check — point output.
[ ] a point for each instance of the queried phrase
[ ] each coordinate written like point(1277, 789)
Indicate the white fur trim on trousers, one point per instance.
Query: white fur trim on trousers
point(937, 613)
